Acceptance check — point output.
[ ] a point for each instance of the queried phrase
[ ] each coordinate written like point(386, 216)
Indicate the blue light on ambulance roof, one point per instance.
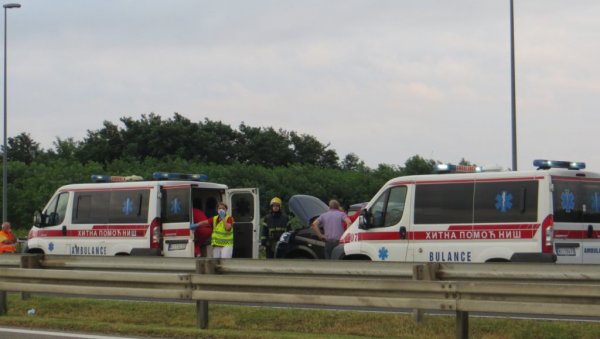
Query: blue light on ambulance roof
point(178, 176)
point(547, 164)
point(100, 178)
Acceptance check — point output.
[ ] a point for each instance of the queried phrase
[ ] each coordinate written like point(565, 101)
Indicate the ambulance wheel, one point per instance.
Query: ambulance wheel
point(497, 260)
point(301, 256)
point(35, 251)
point(357, 257)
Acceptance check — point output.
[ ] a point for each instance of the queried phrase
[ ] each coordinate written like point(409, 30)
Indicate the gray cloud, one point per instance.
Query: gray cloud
point(383, 79)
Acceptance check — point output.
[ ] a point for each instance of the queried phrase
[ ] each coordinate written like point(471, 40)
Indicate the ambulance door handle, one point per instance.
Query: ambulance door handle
point(402, 232)
point(64, 230)
point(590, 231)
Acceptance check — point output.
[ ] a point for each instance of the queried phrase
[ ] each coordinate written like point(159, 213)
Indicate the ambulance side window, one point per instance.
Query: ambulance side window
point(506, 201)
point(129, 206)
point(444, 203)
point(389, 207)
point(55, 214)
point(91, 207)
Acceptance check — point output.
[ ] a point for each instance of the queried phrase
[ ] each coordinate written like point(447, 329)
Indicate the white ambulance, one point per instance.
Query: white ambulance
point(132, 216)
point(543, 215)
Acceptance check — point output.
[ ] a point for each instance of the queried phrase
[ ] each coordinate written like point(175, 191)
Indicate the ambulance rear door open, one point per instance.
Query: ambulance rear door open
point(176, 215)
point(244, 207)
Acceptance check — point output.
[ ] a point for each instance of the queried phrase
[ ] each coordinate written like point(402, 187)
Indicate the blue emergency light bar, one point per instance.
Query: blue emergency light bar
point(450, 168)
point(97, 178)
point(178, 176)
point(547, 164)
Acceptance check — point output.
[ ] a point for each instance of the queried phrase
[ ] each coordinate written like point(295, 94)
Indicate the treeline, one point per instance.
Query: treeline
point(278, 162)
point(31, 185)
point(177, 137)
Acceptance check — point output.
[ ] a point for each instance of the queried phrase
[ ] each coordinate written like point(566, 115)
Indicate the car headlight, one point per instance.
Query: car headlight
point(285, 237)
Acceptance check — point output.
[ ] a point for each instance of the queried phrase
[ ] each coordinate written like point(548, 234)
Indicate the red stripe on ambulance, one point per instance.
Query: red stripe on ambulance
point(97, 231)
point(454, 232)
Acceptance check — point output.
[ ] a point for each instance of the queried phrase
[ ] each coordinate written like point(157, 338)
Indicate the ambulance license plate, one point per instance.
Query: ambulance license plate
point(566, 251)
point(177, 246)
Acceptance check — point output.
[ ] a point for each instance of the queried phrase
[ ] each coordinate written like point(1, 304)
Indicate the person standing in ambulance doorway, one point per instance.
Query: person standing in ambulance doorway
point(333, 222)
point(274, 224)
point(7, 239)
point(201, 234)
point(222, 235)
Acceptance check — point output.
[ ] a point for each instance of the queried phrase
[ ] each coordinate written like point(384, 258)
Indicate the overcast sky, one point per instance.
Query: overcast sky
point(385, 80)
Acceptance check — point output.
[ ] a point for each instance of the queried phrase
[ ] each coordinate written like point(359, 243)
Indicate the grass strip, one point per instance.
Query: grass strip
point(174, 320)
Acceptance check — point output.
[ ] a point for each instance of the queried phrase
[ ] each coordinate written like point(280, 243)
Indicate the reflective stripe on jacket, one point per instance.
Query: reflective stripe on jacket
point(7, 248)
point(221, 237)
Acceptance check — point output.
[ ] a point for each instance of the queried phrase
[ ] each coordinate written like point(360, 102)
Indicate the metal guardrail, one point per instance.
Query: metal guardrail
point(572, 290)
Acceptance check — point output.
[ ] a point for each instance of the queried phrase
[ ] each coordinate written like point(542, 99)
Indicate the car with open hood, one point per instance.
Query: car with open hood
point(302, 243)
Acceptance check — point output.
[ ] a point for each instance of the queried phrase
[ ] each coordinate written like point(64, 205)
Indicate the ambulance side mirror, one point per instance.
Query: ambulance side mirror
point(37, 218)
point(364, 219)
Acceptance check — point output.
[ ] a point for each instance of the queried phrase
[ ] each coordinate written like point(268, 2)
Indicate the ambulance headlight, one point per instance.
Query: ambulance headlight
point(286, 237)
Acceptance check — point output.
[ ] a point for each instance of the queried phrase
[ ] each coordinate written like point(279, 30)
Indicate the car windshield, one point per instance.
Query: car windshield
point(306, 208)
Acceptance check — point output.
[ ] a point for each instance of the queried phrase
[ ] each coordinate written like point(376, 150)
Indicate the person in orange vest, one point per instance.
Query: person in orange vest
point(7, 239)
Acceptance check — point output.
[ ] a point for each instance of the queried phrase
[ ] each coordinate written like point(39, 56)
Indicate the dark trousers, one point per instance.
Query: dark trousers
point(270, 251)
point(329, 246)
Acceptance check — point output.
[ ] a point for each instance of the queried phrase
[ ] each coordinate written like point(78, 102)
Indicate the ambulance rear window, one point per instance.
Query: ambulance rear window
point(176, 205)
point(576, 201)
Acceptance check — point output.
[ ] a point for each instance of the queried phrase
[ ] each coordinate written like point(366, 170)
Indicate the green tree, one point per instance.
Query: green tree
point(216, 143)
point(104, 145)
point(418, 165)
point(352, 162)
point(66, 149)
point(264, 146)
point(22, 148)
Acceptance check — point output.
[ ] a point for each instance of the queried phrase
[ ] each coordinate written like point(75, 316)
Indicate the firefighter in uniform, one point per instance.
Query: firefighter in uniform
point(273, 225)
point(7, 239)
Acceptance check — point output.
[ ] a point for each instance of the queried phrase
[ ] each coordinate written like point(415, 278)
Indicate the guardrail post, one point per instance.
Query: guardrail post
point(462, 325)
point(425, 272)
point(30, 261)
point(204, 266)
point(3, 303)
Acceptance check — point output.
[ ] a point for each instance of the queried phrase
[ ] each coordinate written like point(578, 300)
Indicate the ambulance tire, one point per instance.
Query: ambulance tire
point(497, 260)
point(35, 251)
point(304, 256)
point(357, 257)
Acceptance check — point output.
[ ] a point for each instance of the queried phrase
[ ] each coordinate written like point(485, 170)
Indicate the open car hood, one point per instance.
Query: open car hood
point(306, 208)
